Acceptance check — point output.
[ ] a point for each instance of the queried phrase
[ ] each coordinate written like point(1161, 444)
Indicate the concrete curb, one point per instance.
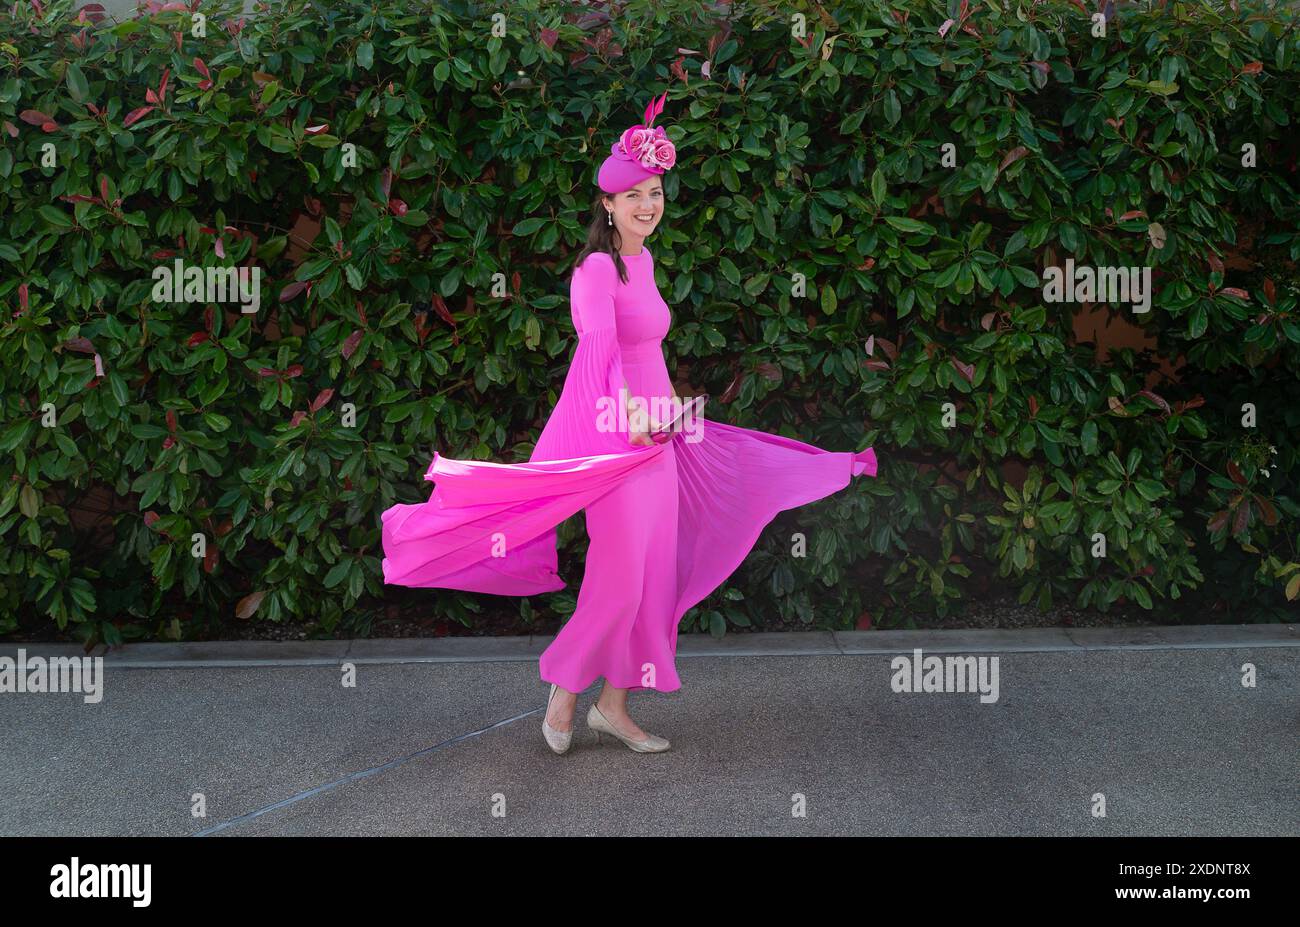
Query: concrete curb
point(776, 644)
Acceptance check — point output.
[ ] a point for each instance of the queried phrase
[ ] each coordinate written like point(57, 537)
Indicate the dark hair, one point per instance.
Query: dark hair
point(601, 236)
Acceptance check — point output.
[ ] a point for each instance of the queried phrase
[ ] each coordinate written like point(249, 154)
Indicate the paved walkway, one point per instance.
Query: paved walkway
point(443, 737)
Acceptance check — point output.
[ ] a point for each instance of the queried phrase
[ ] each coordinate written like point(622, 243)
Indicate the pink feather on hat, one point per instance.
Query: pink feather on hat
point(639, 153)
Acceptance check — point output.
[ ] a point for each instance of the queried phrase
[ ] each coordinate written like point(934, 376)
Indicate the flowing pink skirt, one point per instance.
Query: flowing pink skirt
point(667, 525)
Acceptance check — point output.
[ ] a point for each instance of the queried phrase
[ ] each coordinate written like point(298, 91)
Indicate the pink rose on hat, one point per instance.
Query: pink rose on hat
point(642, 151)
point(651, 147)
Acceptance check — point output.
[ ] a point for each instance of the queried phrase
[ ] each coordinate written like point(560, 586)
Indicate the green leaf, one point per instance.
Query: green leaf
point(337, 573)
point(55, 216)
point(77, 85)
point(528, 226)
point(1088, 437)
point(28, 501)
point(893, 110)
point(904, 224)
point(829, 300)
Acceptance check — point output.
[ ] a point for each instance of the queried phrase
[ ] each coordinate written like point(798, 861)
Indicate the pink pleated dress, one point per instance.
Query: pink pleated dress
point(667, 524)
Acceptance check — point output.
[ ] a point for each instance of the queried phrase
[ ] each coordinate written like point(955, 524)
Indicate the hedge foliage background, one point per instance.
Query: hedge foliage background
point(811, 142)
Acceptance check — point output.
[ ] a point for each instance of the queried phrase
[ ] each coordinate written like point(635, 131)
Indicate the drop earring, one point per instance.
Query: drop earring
point(609, 217)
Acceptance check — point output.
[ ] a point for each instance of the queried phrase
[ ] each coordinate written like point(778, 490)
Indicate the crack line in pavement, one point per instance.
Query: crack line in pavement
point(353, 777)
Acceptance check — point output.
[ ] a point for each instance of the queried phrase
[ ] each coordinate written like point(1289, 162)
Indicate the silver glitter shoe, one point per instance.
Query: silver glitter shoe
point(558, 741)
point(599, 724)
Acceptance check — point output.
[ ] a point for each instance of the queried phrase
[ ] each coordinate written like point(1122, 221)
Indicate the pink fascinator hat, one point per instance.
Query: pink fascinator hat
point(640, 152)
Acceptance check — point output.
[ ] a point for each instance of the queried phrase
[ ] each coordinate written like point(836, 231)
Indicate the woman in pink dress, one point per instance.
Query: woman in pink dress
point(670, 511)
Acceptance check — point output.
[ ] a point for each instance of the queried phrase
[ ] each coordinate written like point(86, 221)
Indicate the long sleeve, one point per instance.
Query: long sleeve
point(586, 418)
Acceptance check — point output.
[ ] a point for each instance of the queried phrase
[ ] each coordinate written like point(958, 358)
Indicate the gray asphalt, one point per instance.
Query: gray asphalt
point(442, 737)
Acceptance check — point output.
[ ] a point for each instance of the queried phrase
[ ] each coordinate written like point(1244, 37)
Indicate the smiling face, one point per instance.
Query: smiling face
point(637, 211)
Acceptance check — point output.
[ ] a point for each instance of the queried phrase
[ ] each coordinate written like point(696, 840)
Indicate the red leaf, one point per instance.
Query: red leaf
point(397, 206)
point(351, 343)
point(1252, 67)
point(967, 371)
point(33, 117)
point(1235, 291)
point(1234, 474)
point(321, 399)
point(292, 290)
point(297, 418)
point(1012, 156)
point(210, 558)
point(196, 338)
point(171, 420)
point(1216, 265)
point(136, 115)
point(549, 37)
point(246, 606)
point(201, 67)
point(1033, 406)
point(1242, 520)
point(293, 370)
point(1154, 398)
point(317, 130)
point(440, 307)
point(1270, 292)
point(1132, 214)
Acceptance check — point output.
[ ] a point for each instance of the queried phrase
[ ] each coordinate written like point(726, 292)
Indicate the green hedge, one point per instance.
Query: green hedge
point(833, 278)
